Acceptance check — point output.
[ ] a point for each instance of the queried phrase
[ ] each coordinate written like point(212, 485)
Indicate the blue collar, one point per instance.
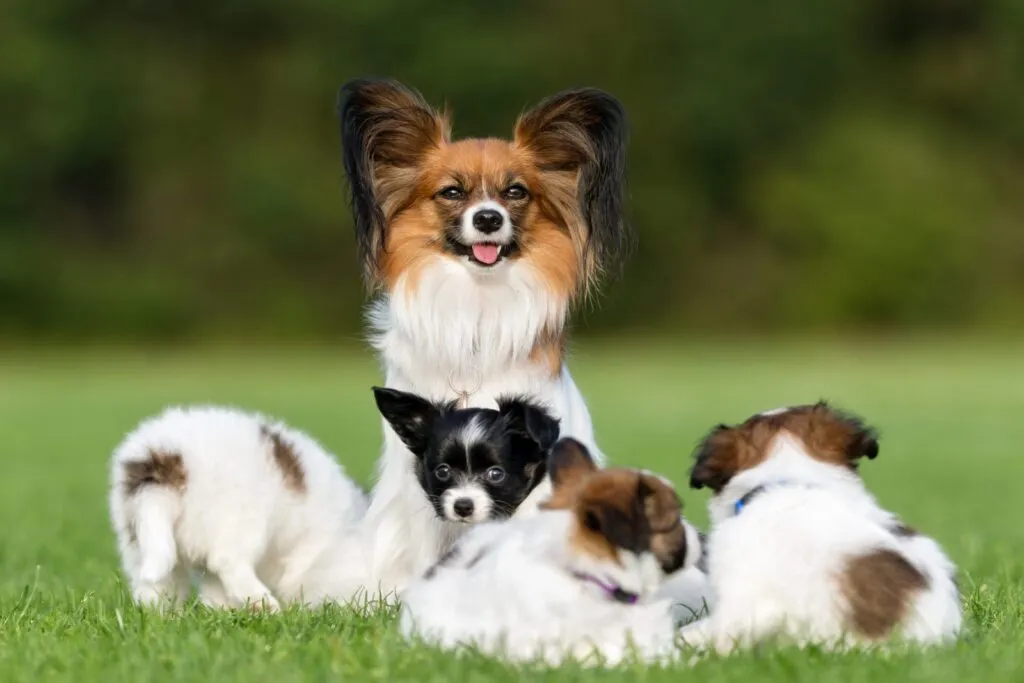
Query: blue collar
point(753, 493)
point(746, 498)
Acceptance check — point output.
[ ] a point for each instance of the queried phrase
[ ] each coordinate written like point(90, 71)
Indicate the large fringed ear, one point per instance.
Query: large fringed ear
point(577, 139)
point(386, 129)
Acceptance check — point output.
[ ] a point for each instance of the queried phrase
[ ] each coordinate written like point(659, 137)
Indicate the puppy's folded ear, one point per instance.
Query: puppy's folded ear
point(663, 511)
point(386, 129)
point(717, 459)
point(411, 416)
point(569, 463)
point(661, 504)
point(858, 439)
point(530, 420)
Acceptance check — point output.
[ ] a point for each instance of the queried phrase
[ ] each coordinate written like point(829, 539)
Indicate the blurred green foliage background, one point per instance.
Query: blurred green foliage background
point(171, 169)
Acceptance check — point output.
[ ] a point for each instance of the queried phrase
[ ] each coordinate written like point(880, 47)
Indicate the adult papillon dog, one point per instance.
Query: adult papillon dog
point(476, 250)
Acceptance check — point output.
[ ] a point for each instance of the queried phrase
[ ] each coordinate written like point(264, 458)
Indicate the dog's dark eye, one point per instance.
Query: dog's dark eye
point(443, 472)
point(515, 192)
point(452, 193)
point(495, 475)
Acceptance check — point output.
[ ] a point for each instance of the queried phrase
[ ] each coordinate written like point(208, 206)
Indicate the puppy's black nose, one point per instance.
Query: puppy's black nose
point(488, 220)
point(463, 507)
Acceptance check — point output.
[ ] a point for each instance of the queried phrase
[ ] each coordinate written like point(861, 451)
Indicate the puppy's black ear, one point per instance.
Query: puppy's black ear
point(569, 462)
point(529, 419)
point(386, 129)
point(411, 416)
point(717, 459)
point(578, 139)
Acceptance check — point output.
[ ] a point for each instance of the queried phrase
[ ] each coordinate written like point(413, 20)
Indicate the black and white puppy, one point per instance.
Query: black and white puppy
point(473, 464)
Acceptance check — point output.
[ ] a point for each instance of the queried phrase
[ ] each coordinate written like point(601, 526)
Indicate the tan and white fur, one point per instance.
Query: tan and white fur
point(256, 512)
point(578, 580)
point(475, 249)
point(799, 550)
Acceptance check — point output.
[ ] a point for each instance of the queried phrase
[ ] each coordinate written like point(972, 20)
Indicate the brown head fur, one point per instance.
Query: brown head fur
point(829, 436)
point(568, 153)
point(616, 508)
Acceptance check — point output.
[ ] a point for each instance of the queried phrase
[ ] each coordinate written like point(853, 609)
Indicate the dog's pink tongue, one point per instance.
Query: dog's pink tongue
point(486, 253)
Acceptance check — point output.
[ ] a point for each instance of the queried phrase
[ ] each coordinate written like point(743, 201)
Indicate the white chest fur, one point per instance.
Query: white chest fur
point(458, 331)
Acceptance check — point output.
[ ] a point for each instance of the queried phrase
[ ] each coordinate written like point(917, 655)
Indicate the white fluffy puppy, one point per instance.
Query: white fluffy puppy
point(257, 511)
point(799, 548)
point(577, 579)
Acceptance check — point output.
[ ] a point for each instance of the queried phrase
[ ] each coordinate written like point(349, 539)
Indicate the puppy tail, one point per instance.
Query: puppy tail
point(155, 514)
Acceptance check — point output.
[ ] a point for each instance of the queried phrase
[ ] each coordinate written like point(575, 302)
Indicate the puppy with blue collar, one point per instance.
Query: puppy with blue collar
point(800, 550)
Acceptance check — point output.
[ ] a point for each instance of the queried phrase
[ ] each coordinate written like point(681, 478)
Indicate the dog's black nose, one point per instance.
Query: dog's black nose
point(488, 220)
point(463, 507)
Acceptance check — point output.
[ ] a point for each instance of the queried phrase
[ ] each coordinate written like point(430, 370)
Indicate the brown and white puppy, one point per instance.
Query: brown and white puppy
point(799, 548)
point(580, 577)
point(256, 511)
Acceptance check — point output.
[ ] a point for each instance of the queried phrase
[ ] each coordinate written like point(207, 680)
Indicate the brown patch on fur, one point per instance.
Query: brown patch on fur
point(549, 351)
point(878, 588)
point(828, 435)
point(616, 508)
point(287, 460)
point(160, 468)
point(552, 254)
point(413, 239)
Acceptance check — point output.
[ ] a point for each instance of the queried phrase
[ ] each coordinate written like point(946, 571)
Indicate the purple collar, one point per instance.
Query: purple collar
point(613, 592)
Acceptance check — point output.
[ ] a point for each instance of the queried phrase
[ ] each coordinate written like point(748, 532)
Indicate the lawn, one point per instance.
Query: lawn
point(951, 464)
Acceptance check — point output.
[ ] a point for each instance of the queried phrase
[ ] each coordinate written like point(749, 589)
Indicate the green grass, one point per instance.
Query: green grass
point(951, 464)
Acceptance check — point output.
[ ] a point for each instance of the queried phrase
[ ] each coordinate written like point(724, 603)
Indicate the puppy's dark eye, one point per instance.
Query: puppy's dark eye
point(452, 193)
point(515, 192)
point(443, 472)
point(495, 475)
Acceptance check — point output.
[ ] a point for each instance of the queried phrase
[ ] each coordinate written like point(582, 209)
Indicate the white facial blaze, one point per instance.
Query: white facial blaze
point(471, 235)
point(467, 494)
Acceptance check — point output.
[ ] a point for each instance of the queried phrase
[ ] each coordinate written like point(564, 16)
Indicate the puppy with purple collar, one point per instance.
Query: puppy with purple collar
point(580, 580)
